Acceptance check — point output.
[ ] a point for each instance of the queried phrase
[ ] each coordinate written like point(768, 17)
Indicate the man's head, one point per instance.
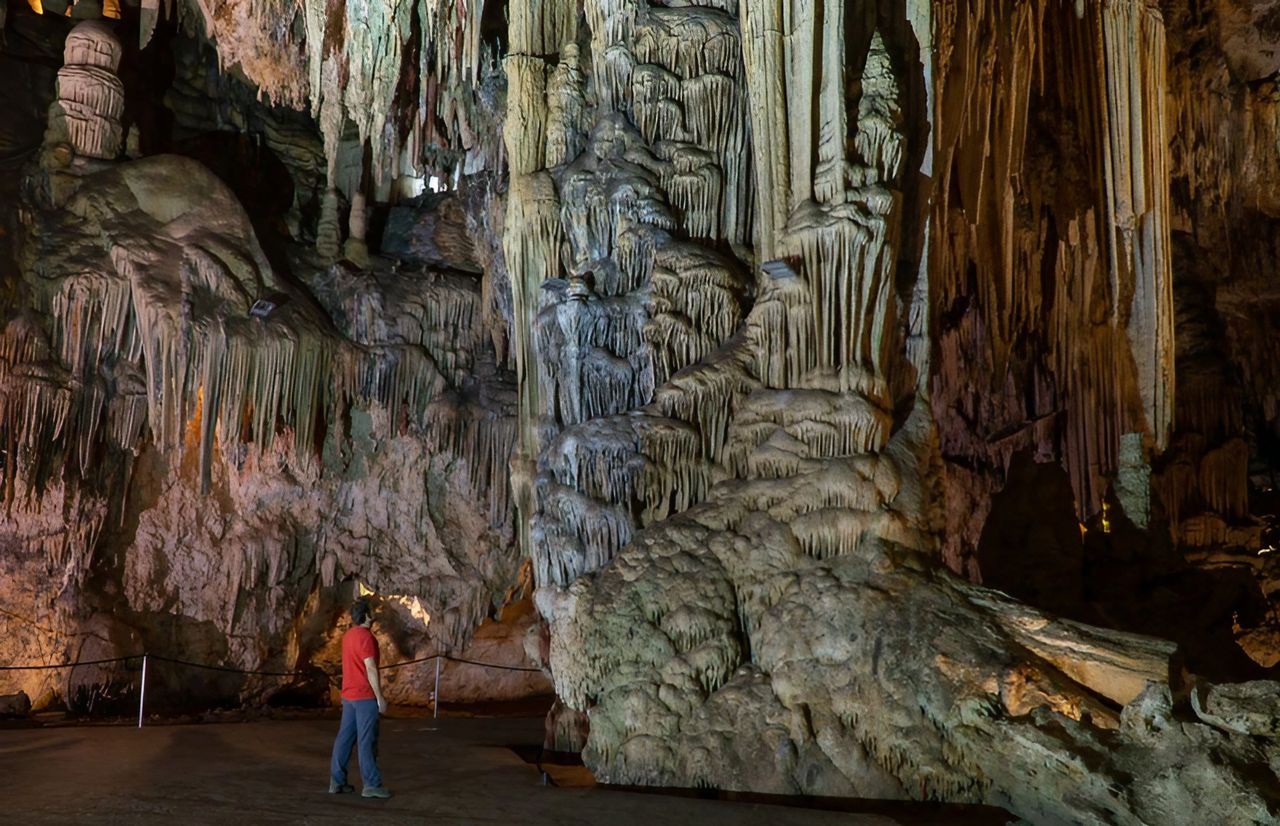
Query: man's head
point(361, 613)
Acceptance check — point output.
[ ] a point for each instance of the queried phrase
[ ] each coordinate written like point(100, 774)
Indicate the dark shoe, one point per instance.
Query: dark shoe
point(340, 788)
point(376, 791)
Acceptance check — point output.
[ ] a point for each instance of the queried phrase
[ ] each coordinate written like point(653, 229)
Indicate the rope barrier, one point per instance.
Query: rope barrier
point(251, 672)
point(142, 684)
point(229, 670)
point(425, 659)
point(486, 665)
point(68, 665)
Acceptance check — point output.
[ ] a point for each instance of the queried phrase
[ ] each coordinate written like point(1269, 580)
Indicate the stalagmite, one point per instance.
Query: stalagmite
point(328, 233)
point(90, 96)
point(355, 249)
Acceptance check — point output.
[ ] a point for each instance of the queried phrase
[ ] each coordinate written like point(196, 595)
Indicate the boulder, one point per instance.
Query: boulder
point(1246, 708)
point(15, 705)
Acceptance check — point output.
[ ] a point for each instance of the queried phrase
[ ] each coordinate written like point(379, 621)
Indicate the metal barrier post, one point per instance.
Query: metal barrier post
point(435, 706)
point(142, 691)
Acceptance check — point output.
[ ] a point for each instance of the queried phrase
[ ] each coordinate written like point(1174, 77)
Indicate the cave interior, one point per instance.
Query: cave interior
point(874, 399)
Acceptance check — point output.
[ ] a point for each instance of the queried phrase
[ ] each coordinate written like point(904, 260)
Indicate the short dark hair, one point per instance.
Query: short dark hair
point(360, 611)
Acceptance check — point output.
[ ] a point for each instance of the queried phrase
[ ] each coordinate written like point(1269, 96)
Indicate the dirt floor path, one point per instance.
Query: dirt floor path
point(448, 771)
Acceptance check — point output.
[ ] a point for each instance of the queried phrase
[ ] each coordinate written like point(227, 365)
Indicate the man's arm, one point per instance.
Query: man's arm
point(371, 669)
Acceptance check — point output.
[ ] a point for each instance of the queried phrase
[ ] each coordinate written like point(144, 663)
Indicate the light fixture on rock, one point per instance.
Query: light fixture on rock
point(267, 305)
point(782, 269)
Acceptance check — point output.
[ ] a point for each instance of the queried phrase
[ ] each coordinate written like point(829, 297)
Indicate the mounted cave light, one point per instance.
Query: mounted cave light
point(411, 186)
point(1104, 521)
point(363, 590)
point(192, 435)
point(87, 9)
point(262, 308)
point(266, 306)
point(414, 606)
point(782, 269)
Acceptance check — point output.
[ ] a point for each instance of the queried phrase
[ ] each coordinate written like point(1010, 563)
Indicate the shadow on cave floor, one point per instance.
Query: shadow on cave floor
point(1112, 574)
point(451, 770)
point(566, 770)
point(901, 811)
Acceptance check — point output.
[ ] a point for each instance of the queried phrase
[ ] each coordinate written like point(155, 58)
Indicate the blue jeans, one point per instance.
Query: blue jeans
point(359, 721)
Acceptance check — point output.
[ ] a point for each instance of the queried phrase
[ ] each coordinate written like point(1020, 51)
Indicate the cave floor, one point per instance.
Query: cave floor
point(452, 770)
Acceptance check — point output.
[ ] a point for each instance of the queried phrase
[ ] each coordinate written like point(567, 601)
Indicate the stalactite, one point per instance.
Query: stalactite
point(819, 423)
point(1110, 355)
point(848, 267)
point(482, 439)
point(531, 241)
point(705, 396)
point(642, 304)
point(595, 532)
point(1137, 188)
point(567, 118)
point(351, 64)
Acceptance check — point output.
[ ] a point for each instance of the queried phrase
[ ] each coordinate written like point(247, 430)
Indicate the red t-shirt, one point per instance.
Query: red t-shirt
point(357, 644)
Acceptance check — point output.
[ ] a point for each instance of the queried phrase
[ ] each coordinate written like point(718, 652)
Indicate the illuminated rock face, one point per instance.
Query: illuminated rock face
point(265, 459)
point(795, 322)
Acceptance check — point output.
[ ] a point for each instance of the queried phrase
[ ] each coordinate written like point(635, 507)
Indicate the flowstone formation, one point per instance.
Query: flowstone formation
point(740, 558)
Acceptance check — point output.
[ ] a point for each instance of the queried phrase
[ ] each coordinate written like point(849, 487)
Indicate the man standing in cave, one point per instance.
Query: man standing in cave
point(362, 705)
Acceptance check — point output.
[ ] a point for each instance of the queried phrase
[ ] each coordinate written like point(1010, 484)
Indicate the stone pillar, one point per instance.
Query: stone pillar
point(356, 249)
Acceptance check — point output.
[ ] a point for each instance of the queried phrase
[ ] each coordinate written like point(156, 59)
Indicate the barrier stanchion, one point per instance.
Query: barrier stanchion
point(435, 702)
point(145, 657)
point(142, 690)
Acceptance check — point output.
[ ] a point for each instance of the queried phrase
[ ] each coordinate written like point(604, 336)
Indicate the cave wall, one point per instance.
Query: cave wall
point(185, 478)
